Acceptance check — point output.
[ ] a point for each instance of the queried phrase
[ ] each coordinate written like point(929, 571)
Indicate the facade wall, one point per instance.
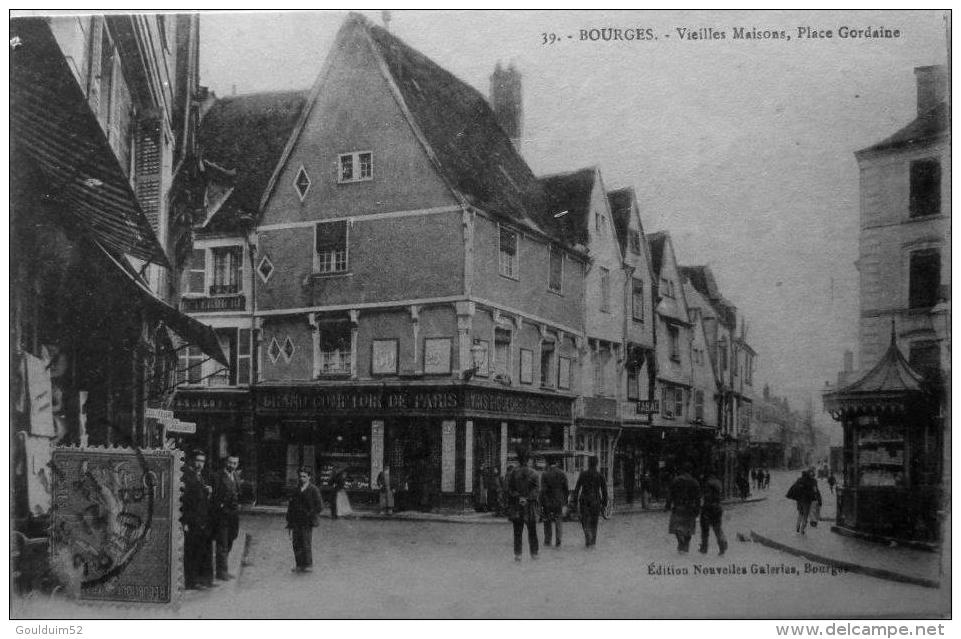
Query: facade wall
point(298, 367)
point(639, 332)
point(529, 292)
point(605, 253)
point(888, 237)
point(356, 111)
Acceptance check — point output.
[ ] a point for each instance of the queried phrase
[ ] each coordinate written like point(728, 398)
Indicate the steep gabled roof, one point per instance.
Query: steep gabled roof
point(621, 202)
point(571, 192)
point(656, 243)
point(462, 135)
point(702, 279)
point(246, 135)
point(925, 127)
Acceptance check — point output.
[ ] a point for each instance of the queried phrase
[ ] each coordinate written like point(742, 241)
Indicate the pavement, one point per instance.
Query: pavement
point(820, 544)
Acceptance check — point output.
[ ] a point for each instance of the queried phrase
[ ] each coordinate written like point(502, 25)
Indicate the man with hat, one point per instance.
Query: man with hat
point(302, 510)
point(196, 524)
point(590, 495)
point(554, 491)
point(226, 513)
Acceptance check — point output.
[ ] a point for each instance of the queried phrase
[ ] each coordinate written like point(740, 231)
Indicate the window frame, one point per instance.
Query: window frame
point(637, 315)
point(238, 268)
point(547, 372)
point(508, 360)
point(355, 162)
point(674, 341)
point(924, 204)
point(552, 252)
point(605, 289)
point(316, 267)
point(526, 366)
point(915, 300)
point(563, 361)
point(514, 261)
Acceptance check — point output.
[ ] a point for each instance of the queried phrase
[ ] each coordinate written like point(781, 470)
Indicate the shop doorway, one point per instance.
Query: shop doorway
point(413, 450)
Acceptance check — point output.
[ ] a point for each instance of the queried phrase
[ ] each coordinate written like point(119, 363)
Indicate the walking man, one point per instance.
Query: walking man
point(711, 513)
point(226, 514)
point(198, 566)
point(302, 510)
point(553, 499)
point(522, 493)
point(590, 495)
point(684, 498)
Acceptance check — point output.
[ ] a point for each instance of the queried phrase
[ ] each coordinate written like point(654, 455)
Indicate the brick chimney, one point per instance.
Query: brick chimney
point(506, 101)
point(932, 87)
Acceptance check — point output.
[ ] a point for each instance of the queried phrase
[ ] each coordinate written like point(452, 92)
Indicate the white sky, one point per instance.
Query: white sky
point(743, 150)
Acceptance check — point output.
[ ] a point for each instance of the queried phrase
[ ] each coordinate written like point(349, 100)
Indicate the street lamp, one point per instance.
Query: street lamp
point(477, 353)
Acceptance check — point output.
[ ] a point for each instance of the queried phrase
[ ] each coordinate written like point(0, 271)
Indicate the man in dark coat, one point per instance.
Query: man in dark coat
point(590, 495)
point(684, 499)
point(523, 488)
point(553, 499)
point(302, 510)
point(198, 565)
point(225, 504)
point(711, 513)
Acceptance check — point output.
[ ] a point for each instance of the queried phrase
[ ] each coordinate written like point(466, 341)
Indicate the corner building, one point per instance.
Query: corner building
point(411, 302)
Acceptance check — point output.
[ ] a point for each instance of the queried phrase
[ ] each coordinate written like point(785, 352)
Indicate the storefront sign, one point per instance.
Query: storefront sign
point(421, 400)
point(177, 426)
point(205, 402)
point(114, 534)
point(648, 406)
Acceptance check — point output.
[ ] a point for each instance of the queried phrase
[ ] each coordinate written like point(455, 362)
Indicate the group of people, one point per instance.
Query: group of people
point(210, 520)
point(531, 497)
point(760, 478)
point(687, 499)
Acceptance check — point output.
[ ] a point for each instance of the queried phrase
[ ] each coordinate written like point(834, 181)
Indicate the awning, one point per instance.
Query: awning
point(186, 327)
point(52, 123)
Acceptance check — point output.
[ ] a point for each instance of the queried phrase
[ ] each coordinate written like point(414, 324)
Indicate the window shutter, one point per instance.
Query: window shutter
point(331, 236)
point(148, 170)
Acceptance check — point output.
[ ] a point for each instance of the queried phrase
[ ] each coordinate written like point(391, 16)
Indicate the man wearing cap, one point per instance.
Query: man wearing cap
point(553, 499)
point(302, 510)
point(196, 524)
point(226, 513)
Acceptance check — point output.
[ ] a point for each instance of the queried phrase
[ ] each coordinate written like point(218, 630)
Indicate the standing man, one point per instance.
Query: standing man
point(226, 514)
point(198, 567)
point(302, 510)
point(711, 513)
point(684, 499)
point(522, 493)
point(553, 499)
point(590, 495)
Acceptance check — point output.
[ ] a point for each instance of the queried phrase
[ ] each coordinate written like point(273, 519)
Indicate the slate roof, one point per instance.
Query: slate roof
point(247, 134)
point(472, 152)
point(571, 192)
point(925, 127)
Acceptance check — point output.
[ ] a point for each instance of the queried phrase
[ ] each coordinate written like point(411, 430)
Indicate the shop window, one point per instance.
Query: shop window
point(330, 254)
point(547, 363)
point(605, 290)
point(555, 280)
point(674, 343)
point(637, 299)
point(924, 278)
point(356, 167)
point(508, 253)
point(925, 196)
point(502, 351)
point(228, 266)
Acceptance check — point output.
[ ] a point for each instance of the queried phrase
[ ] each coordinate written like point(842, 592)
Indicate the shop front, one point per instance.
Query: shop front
point(892, 453)
point(442, 442)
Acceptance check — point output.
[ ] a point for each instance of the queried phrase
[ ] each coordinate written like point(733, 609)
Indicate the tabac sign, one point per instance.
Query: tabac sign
point(432, 400)
point(114, 534)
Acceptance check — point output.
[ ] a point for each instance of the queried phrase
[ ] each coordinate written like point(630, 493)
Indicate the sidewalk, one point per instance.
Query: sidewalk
point(821, 545)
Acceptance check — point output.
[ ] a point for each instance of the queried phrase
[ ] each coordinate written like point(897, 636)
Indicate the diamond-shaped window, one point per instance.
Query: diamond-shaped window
point(302, 183)
point(288, 349)
point(274, 350)
point(265, 269)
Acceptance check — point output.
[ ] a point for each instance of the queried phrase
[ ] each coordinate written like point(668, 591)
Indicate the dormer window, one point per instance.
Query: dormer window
point(356, 167)
point(302, 183)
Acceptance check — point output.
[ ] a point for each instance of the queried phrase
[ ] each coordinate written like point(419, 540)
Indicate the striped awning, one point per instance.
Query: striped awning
point(52, 123)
